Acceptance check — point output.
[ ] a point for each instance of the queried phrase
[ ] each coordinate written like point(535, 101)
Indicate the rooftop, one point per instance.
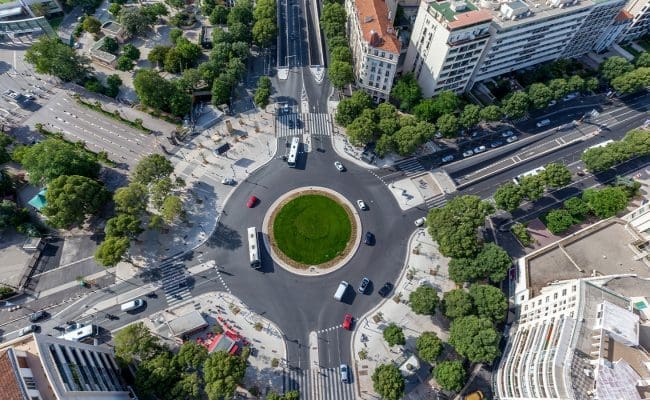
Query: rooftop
point(187, 323)
point(377, 25)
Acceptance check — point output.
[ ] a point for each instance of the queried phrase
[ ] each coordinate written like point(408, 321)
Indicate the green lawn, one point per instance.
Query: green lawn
point(312, 229)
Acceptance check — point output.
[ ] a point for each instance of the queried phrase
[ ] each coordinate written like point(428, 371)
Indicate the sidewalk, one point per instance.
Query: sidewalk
point(267, 346)
point(424, 266)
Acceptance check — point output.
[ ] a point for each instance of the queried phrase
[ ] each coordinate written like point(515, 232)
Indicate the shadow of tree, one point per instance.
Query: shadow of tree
point(224, 237)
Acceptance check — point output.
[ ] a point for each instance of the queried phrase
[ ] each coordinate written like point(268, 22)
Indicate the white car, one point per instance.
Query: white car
point(507, 134)
point(512, 139)
point(447, 159)
point(479, 149)
point(420, 221)
point(339, 166)
point(362, 205)
point(228, 181)
point(468, 153)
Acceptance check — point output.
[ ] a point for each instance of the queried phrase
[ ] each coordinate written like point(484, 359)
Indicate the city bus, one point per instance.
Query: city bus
point(601, 144)
point(253, 249)
point(532, 172)
point(81, 333)
point(293, 152)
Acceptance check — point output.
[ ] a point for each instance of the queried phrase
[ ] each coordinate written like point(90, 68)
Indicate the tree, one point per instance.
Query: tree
point(221, 90)
point(124, 63)
point(470, 116)
point(384, 145)
point(189, 386)
point(340, 74)
point(223, 373)
point(131, 51)
point(559, 87)
point(532, 187)
point(219, 15)
point(489, 301)
point(457, 303)
point(241, 13)
point(155, 377)
point(643, 60)
point(158, 55)
point(131, 199)
point(333, 19)
point(110, 252)
point(491, 113)
point(171, 209)
point(540, 95)
point(491, 262)
point(475, 338)
point(190, 357)
point(448, 125)
point(558, 221)
point(577, 207)
point(362, 129)
point(265, 31)
point(407, 92)
point(52, 158)
point(576, 84)
point(71, 198)
point(592, 83)
point(556, 175)
point(135, 343)
point(91, 24)
point(424, 300)
point(263, 91)
point(113, 83)
point(350, 108)
point(615, 66)
point(429, 347)
point(265, 9)
point(632, 81)
point(508, 196)
point(516, 105)
point(341, 53)
point(155, 10)
point(388, 382)
point(110, 45)
point(393, 335)
point(124, 225)
point(451, 375)
point(135, 21)
point(114, 9)
point(50, 56)
point(606, 202)
point(152, 168)
point(157, 92)
point(406, 140)
point(445, 102)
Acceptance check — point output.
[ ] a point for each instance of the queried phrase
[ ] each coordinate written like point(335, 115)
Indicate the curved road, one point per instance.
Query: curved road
point(302, 304)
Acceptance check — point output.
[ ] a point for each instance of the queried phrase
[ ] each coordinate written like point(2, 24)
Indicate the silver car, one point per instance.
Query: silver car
point(362, 205)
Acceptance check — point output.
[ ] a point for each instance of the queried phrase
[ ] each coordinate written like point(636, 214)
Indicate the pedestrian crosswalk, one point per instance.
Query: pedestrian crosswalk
point(410, 166)
point(436, 201)
point(295, 124)
point(174, 282)
point(318, 384)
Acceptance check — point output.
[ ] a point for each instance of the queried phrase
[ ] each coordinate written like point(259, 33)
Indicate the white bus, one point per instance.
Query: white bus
point(293, 152)
point(601, 144)
point(532, 172)
point(81, 333)
point(253, 249)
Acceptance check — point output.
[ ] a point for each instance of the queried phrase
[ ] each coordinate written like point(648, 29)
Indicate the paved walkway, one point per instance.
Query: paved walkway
point(424, 266)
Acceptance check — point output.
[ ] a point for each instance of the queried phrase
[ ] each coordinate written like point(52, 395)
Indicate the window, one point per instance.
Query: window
point(384, 87)
point(29, 383)
point(383, 54)
point(390, 56)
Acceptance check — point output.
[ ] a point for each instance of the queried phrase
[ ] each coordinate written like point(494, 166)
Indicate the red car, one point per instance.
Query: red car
point(347, 322)
point(251, 202)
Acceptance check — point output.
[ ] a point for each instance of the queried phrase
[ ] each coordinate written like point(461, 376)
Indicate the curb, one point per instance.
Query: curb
point(378, 306)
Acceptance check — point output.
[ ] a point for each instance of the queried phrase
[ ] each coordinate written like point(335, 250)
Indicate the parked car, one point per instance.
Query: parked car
point(496, 144)
point(512, 139)
point(386, 289)
point(479, 149)
point(420, 221)
point(339, 166)
point(347, 322)
point(252, 201)
point(369, 239)
point(447, 158)
point(37, 315)
point(543, 123)
point(364, 285)
point(507, 134)
point(27, 330)
point(468, 153)
point(228, 181)
point(362, 205)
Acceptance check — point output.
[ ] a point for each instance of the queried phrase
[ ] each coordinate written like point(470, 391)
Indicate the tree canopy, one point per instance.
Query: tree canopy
point(490, 302)
point(131, 199)
point(135, 343)
point(451, 375)
point(475, 338)
point(424, 300)
point(350, 108)
point(71, 198)
point(388, 382)
point(340, 74)
point(508, 196)
point(557, 175)
point(407, 92)
point(110, 252)
point(394, 335)
point(223, 373)
point(152, 168)
point(491, 262)
point(615, 66)
point(606, 202)
point(52, 57)
point(53, 158)
point(429, 347)
point(457, 303)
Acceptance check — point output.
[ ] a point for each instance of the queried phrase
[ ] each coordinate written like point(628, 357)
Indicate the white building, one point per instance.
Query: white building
point(640, 11)
point(40, 367)
point(375, 47)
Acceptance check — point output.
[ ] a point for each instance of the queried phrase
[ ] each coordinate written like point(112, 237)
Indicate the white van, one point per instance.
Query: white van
point(543, 122)
point(343, 286)
point(132, 305)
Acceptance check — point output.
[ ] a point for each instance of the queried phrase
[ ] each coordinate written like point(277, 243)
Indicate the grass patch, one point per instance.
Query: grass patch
point(101, 157)
point(137, 124)
point(312, 229)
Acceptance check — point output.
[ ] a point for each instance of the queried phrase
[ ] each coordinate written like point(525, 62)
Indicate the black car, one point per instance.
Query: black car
point(386, 289)
point(369, 239)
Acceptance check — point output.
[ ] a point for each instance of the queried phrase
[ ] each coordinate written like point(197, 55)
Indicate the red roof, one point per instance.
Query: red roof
point(377, 29)
point(470, 18)
point(8, 381)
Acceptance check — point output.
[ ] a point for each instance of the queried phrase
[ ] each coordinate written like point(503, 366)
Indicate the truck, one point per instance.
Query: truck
point(340, 291)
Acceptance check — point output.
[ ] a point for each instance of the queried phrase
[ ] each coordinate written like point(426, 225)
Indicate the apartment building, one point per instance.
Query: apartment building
point(640, 11)
point(507, 36)
point(41, 367)
point(375, 46)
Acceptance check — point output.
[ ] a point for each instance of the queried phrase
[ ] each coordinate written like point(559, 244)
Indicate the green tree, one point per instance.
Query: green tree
point(615, 66)
point(113, 83)
point(131, 199)
point(384, 145)
point(576, 84)
point(406, 140)
point(532, 187)
point(152, 168)
point(489, 301)
point(50, 56)
point(407, 92)
point(643, 60)
point(388, 382)
point(556, 175)
point(448, 125)
point(451, 375)
point(632, 81)
point(516, 105)
point(558, 221)
point(265, 32)
point(559, 87)
point(540, 95)
point(263, 91)
point(189, 386)
point(475, 338)
point(592, 83)
point(114, 9)
point(508, 196)
point(110, 45)
point(156, 377)
point(341, 53)
point(340, 74)
point(350, 108)
point(174, 34)
point(222, 374)
point(388, 118)
point(333, 19)
point(429, 347)
point(265, 9)
point(158, 54)
point(71, 198)
point(491, 262)
point(91, 24)
point(190, 357)
point(491, 113)
point(124, 63)
point(470, 116)
point(457, 303)
point(241, 13)
point(110, 252)
point(171, 209)
point(125, 225)
point(393, 335)
point(424, 300)
point(606, 202)
point(362, 129)
point(135, 21)
point(521, 233)
point(135, 343)
point(52, 158)
point(219, 15)
point(131, 51)
point(577, 207)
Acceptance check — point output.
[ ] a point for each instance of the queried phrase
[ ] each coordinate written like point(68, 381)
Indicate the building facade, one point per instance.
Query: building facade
point(640, 11)
point(375, 46)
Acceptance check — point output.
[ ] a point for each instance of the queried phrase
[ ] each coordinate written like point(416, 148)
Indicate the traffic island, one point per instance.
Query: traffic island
point(311, 231)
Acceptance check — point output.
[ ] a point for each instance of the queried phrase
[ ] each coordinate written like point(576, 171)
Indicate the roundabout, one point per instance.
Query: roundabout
point(311, 231)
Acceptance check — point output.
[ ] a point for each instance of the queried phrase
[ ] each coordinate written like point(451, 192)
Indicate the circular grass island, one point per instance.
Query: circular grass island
point(312, 229)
